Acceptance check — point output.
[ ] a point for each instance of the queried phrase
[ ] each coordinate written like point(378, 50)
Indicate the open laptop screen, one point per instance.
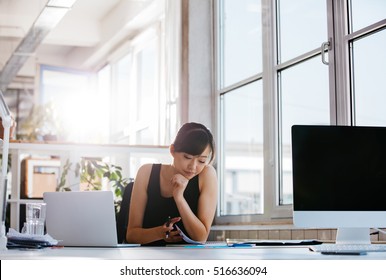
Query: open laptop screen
point(81, 218)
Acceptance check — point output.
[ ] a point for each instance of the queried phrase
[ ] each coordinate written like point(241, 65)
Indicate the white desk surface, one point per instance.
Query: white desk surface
point(181, 253)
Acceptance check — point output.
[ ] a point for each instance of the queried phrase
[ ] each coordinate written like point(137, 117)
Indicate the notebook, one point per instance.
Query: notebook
point(82, 218)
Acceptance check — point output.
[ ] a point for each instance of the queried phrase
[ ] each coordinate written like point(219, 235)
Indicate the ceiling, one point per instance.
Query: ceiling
point(82, 37)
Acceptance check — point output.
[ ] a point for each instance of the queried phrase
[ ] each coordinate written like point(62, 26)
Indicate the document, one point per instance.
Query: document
point(23, 240)
point(187, 239)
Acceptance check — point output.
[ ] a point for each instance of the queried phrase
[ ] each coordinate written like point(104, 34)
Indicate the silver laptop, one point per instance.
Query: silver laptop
point(82, 218)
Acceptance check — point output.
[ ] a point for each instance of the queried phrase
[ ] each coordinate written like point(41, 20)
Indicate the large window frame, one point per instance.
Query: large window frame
point(337, 53)
point(140, 82)
point(131, 98)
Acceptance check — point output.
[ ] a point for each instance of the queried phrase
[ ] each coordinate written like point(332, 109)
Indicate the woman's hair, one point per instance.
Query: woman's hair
point(193, 138)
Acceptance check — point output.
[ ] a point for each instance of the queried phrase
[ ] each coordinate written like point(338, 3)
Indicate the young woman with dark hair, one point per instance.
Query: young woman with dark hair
point(182, 193)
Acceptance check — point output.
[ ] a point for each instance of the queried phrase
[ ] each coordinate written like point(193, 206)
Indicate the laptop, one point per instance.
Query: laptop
point(82, 218)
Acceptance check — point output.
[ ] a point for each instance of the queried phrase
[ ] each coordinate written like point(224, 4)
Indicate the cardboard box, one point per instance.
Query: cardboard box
point(38, 176)
point(42, 182)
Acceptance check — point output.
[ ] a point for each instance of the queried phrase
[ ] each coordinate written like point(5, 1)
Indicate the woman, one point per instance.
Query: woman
point(183, 193)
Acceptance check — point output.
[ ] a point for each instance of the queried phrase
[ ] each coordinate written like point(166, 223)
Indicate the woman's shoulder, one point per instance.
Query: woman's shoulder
point(209, 169)
point(209, 172)
point(147, 168)
point(143, 175)
point(208, 178)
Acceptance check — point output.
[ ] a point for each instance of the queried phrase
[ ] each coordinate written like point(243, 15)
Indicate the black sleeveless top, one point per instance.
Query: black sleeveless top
point(159, 208)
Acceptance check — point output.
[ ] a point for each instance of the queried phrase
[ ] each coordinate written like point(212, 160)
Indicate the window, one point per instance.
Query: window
point(147, 94)
point(369, 75)
point(136, 91)
point(242, 150)
point(121, 87)
point(240, 88)
point(273, 72)
point(72, 106)
point(240, 40)
point(302, 101)
point(367, 42)
point(303, 93)
point(103, 88)
point(134, 98)
point(145, 83)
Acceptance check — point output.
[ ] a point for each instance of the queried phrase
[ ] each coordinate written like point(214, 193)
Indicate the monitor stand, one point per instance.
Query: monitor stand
point(353, 236)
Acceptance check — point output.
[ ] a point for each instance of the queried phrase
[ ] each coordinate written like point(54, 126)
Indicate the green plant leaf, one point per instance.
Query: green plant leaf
point(91, 172)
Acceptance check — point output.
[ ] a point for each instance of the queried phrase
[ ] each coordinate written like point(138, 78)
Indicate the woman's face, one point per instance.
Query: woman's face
point(188, 165)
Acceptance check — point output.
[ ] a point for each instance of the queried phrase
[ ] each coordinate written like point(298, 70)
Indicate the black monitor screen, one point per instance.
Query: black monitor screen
point(339, 168)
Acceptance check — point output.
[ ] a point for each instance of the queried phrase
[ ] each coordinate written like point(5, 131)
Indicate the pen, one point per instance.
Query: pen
point(167, 225)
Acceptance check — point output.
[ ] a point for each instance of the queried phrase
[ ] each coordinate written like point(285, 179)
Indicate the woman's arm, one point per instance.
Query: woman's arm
point(198, 227)
point(135, 232)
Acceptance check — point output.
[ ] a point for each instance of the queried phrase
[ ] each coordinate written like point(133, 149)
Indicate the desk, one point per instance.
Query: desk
point(181, 253)
point(139, 263)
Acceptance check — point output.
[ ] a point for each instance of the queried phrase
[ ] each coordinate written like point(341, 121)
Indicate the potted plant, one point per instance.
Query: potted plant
point(91, 173)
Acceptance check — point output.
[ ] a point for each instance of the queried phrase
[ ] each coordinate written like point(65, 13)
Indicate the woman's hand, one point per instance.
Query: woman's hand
point(179, 184)
point(170, 234)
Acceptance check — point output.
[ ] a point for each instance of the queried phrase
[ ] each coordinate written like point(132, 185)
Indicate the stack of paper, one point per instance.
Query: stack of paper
point(23, 240)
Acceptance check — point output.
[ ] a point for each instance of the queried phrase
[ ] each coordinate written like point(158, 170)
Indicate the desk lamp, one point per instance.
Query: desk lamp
point(6, 121)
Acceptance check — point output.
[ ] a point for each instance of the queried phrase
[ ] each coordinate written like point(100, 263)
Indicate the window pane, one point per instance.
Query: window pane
point(303, 27)
point(369, 58)
point(122, 76)
point(304, 100)
point(103, 89)
point(147, 110)
point(70, 106)
point(366, 12)
point(241, 40)
point(243, 151)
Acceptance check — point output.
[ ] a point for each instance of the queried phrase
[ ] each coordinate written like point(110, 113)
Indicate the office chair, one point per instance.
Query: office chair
point(123, 214)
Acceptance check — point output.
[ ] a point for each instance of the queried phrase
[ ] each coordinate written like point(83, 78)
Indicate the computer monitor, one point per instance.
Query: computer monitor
point(339, 179)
